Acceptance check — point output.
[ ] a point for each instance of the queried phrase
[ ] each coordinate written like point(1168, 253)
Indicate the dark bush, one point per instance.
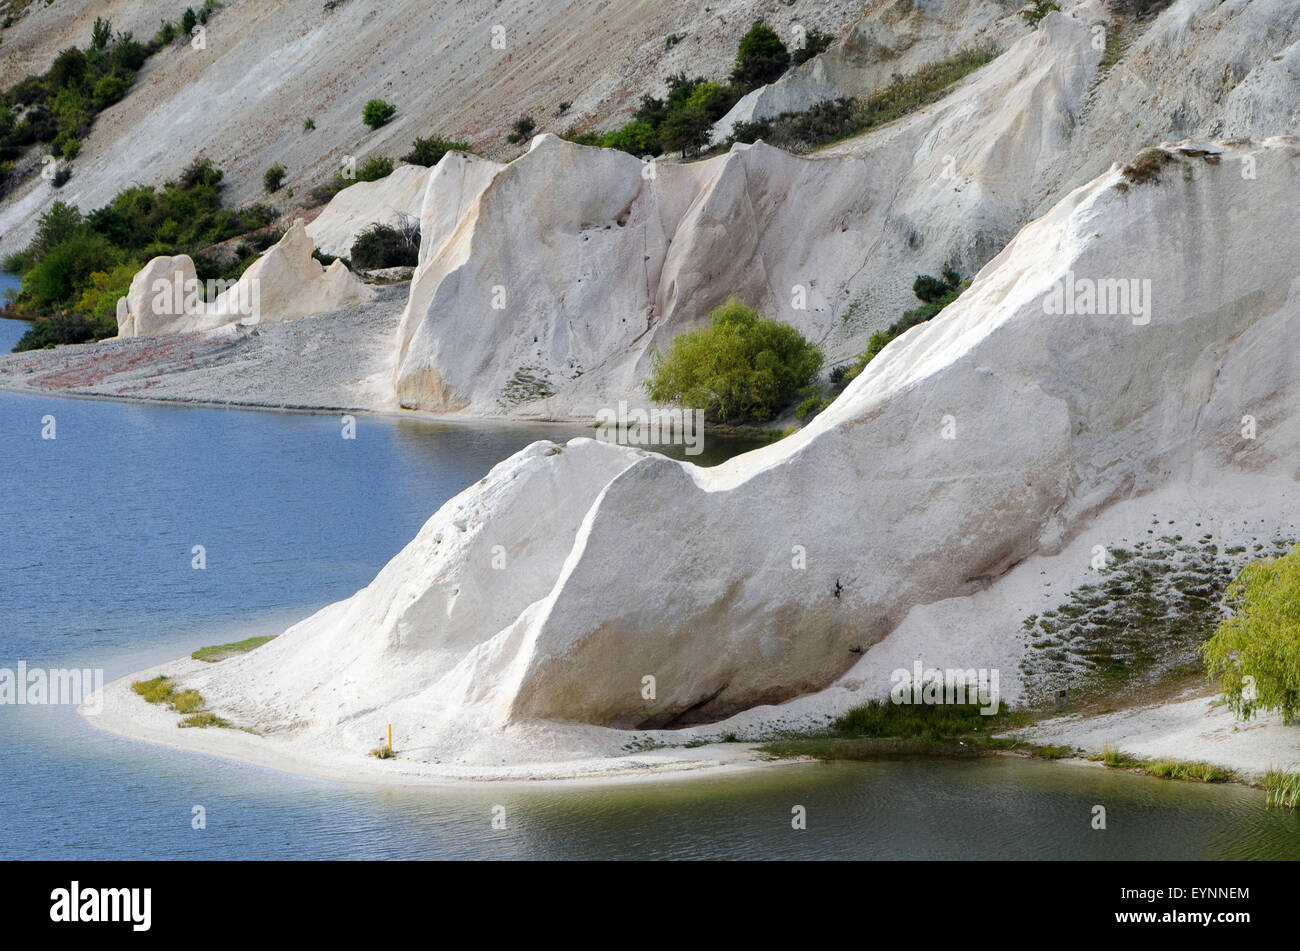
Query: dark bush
point(273, 178)
point(814, 42)
point(762, 58)
point(522, 130)
point(429, 152)
point(381, 246)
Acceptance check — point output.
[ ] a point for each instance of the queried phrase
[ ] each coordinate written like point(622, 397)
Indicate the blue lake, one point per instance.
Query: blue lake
point(96, 532)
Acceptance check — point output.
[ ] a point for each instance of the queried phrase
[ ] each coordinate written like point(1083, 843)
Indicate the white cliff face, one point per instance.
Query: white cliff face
point(545, 285)
point(357, 207)
point(286, 283)
point(615, 565)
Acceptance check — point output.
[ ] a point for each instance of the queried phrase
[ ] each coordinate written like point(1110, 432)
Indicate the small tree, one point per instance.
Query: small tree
point(273, 178)
point(189, 20)
point(740, 367)
point(686, 130)
point(761, 59)
point(377, 112)
point(1255, 653)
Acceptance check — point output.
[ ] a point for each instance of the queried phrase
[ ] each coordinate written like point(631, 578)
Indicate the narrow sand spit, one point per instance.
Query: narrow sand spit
point(126, 714)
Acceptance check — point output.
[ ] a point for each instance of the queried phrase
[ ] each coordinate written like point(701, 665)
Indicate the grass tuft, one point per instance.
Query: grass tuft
point(219, 652)
point(191, 702)
point(202, 720)
point(1283, 788)
point(1167, 768)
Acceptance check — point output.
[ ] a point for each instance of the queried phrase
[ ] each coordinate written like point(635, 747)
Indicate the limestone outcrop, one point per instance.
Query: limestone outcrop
point(286, 283)
point(386, 202)
point(542, 597)
point(544, 285)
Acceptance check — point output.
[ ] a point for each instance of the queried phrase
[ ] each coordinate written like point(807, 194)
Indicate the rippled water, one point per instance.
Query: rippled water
point(96, 532)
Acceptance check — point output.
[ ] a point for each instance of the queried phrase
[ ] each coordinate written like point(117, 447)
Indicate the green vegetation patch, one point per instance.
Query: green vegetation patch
point(219, 652)
point(1143, 621)
point(1166, 768)
point(833, 120)
point(1255, 653)
point(1283, 788)
point(188, 702)
point(682, 121)
point(741, 367)
point(882, 729)
point(935, 293)
point(78, 265)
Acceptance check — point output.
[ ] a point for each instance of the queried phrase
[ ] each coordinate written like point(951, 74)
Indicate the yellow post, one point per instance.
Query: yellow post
point(390, 738)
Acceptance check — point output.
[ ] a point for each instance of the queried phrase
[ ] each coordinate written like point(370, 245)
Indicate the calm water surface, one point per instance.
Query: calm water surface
point(96, 531)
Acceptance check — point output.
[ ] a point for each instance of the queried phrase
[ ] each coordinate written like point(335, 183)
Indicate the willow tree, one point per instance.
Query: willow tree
point(1255, 652)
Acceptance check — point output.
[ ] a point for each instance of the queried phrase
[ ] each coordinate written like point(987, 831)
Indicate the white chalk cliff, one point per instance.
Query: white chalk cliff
point(534, 603)
point(286, 283)
point(571, 264)
point(360, 205)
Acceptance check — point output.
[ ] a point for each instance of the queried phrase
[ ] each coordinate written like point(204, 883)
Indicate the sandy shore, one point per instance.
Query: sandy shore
point(127, 714)
point(1196, 726)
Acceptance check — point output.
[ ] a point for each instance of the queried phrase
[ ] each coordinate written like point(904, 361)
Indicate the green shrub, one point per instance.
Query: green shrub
point(1255, 653)
point(377, 112)
point(761, 59)
point(636, 138)
point(166, 34)
point(834, 119)
point(375, 168)
point(739, 367)
point(429, 152)
point(935, 293)
point(55, 280)
point(381, 246)
point(67, 145)
point(273, 178)
point(189, 20)
point(109, 89)
point(588, 137)
point(810, 406)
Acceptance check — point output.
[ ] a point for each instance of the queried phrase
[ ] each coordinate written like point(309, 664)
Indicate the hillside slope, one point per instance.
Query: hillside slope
point(270, 64)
